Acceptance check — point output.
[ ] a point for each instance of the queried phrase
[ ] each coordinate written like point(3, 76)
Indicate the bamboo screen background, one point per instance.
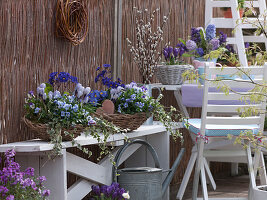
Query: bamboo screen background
point(30, 51)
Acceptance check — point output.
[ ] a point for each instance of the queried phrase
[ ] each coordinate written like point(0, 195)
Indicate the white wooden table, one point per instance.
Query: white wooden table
point(34, 153)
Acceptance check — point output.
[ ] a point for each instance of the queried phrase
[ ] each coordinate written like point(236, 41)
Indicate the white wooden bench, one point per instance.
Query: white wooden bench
point(34, 153)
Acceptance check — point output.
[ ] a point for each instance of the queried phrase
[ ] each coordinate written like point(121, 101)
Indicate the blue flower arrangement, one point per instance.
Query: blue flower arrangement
point(204, 42)
point(66, 113)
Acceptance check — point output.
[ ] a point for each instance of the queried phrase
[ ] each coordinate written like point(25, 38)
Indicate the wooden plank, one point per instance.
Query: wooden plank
point(230, 108)
point(86, 169)
point(79, 189)
point(252, 70)
point(38, 145)
point(56, 172)
point(233, 120)
point(230, 96)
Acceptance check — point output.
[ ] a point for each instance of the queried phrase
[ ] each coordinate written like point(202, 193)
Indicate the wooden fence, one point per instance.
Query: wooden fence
point(30, 51)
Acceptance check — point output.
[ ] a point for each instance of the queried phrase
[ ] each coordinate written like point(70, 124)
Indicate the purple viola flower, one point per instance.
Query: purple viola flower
point(63, 77)
point(98, 68)
point(200, 52)
point(41, 179)
point(3, 190)
point(31, 93)
point(222, 38)
point(37, 110)
point(46, 193)
point(10, 197)
point(191, 45)
point(10, 153)
point(74, 79)
point(29, 171)
point(107, 65)
point(210, 32)
point(215, 43)
point(53, 74)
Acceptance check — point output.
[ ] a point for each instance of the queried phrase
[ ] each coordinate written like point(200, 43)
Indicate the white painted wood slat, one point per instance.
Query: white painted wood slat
point(230, 108)
point(222, 96)
point(252, 70)
point(237, 83)
point(233, 120)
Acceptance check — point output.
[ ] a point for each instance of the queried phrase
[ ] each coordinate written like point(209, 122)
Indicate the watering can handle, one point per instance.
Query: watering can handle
point(125, 146)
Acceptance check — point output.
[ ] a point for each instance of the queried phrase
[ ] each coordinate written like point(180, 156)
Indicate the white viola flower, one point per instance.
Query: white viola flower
point(126, 195)
point(57, 94)
point(119, 89)
point(87, 90)
point(32, 105)
point(113, 91)
point(40, 91)
point(71, 98)
point(42, 85)
point(50, 95)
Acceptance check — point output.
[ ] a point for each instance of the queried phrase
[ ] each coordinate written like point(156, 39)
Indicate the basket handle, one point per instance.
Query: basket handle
point(125, 146)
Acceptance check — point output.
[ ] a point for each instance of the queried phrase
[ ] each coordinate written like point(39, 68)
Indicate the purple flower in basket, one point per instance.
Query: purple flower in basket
point(191, 45)
point(182, 48)
point(222, 38)
point(210, 32)
point(215, 43)
point(195, 35)
point(200, 52)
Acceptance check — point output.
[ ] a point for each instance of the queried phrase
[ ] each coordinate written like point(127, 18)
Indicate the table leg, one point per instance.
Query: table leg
point(56, 173)
point(178, 96)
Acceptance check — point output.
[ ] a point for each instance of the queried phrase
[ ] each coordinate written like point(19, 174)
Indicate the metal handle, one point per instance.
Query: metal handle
point(125, 146)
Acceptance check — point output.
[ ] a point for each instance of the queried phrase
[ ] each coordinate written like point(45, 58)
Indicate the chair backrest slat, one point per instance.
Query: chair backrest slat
point(230, 108)
point(228, 113)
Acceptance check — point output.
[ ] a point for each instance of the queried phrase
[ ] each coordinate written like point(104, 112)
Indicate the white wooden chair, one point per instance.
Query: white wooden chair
point(216, 128)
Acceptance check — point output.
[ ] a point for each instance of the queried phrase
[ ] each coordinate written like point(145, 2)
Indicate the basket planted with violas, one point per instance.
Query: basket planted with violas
point(128, 106)
point(56, 113)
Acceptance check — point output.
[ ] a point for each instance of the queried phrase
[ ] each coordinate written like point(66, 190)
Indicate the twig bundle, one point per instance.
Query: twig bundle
point(72, 20)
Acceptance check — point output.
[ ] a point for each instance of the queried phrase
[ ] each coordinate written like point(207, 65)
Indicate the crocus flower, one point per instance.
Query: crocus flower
point(175, 52)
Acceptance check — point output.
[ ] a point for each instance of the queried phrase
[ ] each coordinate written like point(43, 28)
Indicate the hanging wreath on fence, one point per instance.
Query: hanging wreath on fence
point(72, 20)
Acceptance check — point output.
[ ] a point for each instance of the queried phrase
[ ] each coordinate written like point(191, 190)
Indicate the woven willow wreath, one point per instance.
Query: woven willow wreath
point(72, 20)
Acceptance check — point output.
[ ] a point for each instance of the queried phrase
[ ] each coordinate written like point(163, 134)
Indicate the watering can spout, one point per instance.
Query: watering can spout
point(172, 171)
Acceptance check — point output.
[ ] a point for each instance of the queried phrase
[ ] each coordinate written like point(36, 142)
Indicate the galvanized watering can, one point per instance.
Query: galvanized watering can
point(144, 183)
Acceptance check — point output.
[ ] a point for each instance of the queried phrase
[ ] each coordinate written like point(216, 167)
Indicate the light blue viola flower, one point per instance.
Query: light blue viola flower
point(60, 104)
point(67, 106)
point(50, 95)
point(32, 105)
point(37, 110)
point(71, 98)
point(125, 105)
point(67, 114)
point(133, 96)
point(75, 108)
point(119, 108)
point(63, 114)
point(57, 94)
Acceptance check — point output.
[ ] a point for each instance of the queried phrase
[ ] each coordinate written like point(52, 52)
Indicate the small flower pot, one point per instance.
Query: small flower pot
point(171, 74)
point(228, 13)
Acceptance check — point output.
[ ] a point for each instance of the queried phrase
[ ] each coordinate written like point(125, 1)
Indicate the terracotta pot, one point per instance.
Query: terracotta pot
point(228, 13)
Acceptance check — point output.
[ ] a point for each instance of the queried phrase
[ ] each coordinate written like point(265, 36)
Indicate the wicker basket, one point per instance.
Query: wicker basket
point(125, 121)
point(171, 74)
point(40, 130)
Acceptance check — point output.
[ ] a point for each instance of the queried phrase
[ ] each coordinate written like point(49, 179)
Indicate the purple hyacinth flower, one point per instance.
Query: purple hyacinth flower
point(210, 32)
point(215, 43)
point(195, 35)
point(200, 52)
point(222, 38)
point(191, 45)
